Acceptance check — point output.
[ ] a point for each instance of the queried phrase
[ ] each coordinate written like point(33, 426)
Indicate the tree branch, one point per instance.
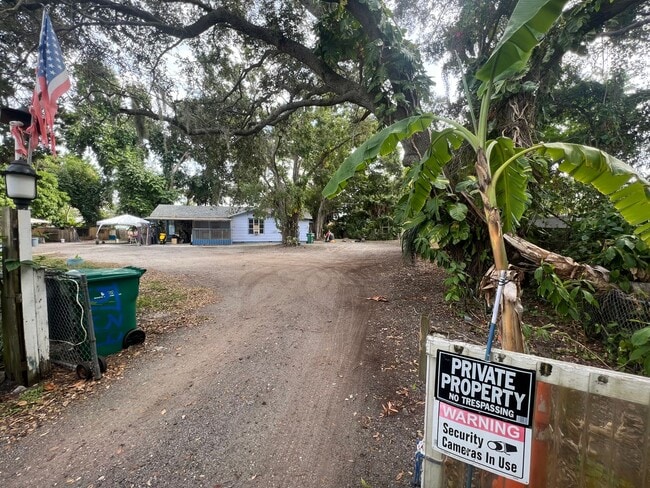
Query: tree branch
point(221, 16)
point(626, 29)
point(279, 114)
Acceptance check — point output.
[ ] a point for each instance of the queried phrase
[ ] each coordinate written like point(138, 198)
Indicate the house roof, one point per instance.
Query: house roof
point(190, 212)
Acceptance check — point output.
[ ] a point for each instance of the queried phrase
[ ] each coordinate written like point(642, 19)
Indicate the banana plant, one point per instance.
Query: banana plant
point(503, 170)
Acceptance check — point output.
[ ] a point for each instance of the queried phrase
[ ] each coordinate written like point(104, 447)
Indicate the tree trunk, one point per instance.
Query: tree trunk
point(565, 267)
point(511, 337)
point(320, 218)
point(290, 230)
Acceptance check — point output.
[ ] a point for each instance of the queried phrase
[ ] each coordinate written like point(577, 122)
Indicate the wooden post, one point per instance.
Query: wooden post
point(425, 323)
point(42, 323)
point(30, 330)
point(12, 318)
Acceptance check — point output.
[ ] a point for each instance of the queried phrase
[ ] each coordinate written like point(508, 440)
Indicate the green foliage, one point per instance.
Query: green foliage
point(365, 208)
point(592, 231)
point(627, 256)
point(14, 264)
point(600, 238)
point(284, 169)
point(381, 55)
point(115, 142)
point(381, 144)
point(443, 234)
point(456, 282)
point(292, 241)
point(640, 349)
point(511, 191)
point(51, 202)
point(626, 189)
point(81, 181)
point(504, 183)
point(30, 399)
point(542, 333)
point(528, 24)
point(568, 297)
point(141, 190)
point(609, 114)
point(617, 344)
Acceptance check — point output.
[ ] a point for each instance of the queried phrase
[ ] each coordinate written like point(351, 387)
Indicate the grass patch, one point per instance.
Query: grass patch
point(32, 395)
point(156, 295)
point(61, 263)
point(26, 400)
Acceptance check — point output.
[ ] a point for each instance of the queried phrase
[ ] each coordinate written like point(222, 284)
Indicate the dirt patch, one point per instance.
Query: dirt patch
point(276, 368)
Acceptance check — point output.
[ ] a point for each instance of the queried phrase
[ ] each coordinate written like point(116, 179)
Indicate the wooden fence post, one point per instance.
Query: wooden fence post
point(30, 337)
point(42, 323)
point(425, 323)
point(12, 318)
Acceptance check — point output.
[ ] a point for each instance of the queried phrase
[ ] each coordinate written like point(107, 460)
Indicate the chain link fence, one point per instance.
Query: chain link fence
point(621, 311)
point(72, 336)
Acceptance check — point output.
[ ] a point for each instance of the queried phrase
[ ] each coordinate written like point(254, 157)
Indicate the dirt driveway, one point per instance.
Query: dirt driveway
point(286, 384)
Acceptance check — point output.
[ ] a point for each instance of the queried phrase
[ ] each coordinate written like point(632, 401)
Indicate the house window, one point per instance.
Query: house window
point(256, 226)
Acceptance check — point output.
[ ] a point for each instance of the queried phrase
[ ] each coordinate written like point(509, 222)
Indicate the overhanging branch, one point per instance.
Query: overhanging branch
point(280, 113)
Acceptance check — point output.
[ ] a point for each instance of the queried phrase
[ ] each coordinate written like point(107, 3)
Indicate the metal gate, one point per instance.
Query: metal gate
point(72, 336)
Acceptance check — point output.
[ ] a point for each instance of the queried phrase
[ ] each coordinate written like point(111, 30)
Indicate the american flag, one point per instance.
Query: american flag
point(52, 81)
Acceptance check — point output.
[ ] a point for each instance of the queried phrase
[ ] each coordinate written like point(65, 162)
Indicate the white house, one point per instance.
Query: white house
point(220, 225)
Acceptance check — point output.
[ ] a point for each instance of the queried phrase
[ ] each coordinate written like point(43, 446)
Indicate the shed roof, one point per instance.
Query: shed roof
point(190, 212)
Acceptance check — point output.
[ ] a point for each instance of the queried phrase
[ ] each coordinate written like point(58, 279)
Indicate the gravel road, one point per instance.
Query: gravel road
point(271, 391)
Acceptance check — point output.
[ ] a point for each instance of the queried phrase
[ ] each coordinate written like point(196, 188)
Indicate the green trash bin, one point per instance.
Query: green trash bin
point(310, 237)
point(113, 296)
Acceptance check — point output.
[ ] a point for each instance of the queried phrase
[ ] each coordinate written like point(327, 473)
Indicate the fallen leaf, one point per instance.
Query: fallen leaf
point(399, 476)
point(404, 391)
point(378, 298)
point(389, 409)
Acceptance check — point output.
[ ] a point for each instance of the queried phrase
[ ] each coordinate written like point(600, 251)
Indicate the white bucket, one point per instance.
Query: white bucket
point(62, 241)
point(34, 241)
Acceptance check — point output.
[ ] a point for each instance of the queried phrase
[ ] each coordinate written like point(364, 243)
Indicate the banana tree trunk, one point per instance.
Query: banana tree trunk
point(565, 267)
point(511, 337)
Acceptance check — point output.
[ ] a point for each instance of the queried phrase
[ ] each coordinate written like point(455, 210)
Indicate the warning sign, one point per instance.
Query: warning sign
point(489, 443)
point(487, 388)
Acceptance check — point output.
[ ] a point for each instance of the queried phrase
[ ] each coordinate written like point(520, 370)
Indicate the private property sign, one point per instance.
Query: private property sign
point(491, 389)
point(483, 413)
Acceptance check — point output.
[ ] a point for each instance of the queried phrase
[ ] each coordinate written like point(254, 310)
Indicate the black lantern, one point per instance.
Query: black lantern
point(20, 182)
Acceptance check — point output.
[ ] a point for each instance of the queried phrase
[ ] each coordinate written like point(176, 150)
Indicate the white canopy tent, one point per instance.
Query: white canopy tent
point(125, 221)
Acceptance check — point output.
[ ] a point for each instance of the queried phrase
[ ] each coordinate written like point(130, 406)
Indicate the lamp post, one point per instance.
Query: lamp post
point(29, 341)
point(20, 182)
